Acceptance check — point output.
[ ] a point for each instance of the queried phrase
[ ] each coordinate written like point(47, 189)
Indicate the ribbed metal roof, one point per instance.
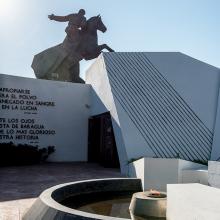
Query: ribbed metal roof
point(166, 122)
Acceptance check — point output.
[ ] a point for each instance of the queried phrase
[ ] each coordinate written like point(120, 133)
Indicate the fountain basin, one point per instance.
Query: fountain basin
point(50, 204)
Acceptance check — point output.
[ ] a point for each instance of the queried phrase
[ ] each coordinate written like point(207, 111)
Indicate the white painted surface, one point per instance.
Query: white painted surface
point(197, 82)
point(192, 202)
point(135, 144)
point(68, 118)
point(195, 176)
point(214, 173)
point(160, 172)
point(137, 170)
point(156, 173)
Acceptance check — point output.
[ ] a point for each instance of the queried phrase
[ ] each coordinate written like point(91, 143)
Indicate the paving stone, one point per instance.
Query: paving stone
point(20, 186)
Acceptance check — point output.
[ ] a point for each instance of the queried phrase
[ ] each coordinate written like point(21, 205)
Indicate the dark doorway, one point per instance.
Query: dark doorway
point(101, 141)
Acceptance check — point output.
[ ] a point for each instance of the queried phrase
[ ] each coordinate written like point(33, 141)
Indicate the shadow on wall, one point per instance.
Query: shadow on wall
point(98, 107)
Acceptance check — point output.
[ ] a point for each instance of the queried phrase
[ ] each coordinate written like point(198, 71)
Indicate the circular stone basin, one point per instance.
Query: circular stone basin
point(70, 200)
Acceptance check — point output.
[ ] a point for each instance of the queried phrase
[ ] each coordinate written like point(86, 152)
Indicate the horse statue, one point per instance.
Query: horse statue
point(61, 62)
point(88, 46)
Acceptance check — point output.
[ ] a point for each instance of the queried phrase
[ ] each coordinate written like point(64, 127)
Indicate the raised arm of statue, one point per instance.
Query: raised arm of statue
point(58, 18)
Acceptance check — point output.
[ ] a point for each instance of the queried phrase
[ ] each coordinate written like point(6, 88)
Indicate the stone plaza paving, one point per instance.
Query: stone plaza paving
point(20, 186)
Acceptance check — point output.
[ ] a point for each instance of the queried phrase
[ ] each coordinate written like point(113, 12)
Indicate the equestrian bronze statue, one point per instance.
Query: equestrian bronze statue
point(61, 62)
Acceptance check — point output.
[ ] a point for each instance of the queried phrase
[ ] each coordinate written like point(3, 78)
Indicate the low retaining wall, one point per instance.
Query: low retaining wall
point(156, 173)
point(47, 206)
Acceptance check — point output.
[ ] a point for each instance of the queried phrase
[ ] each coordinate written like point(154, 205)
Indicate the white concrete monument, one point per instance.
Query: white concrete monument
point(162, 105)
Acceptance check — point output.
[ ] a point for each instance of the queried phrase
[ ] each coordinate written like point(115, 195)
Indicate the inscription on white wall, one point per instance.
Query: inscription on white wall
point(23, 101)
point(45, 113)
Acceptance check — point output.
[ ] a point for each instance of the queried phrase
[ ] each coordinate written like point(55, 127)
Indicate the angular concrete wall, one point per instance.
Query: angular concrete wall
point(66, 118)
point(102, 101)
point(195, 81)
point(165, 102)
point(156, 173)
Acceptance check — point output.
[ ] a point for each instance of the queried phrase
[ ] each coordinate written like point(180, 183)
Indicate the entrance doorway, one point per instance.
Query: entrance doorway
point(101, 141)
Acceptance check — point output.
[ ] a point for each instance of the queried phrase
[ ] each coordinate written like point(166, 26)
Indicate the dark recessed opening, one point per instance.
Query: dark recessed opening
point(101, 141)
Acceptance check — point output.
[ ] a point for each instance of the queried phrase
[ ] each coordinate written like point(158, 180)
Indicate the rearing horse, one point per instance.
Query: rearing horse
point(88, 47)
point(61, 62)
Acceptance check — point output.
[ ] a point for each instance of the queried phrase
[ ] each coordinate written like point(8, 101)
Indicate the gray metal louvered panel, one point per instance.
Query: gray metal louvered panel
point(165, 120)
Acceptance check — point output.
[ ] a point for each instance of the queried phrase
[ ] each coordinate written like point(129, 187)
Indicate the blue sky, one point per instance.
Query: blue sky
point(188, 26)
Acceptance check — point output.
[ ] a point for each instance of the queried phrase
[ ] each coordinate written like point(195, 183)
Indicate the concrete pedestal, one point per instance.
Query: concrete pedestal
point(142, 205)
